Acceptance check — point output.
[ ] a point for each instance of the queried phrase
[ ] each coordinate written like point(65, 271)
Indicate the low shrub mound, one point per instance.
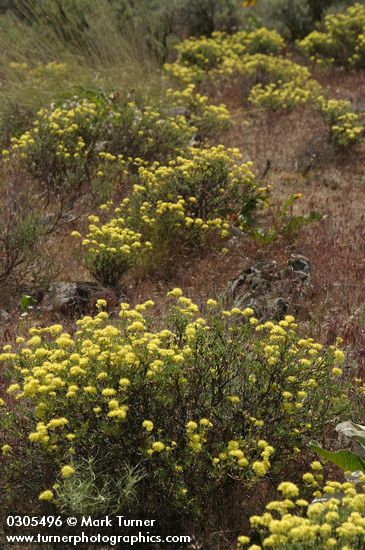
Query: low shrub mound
point(202, 191)
point(191, 406)
point(92, 138)
point(346, 126)
point(197, 57)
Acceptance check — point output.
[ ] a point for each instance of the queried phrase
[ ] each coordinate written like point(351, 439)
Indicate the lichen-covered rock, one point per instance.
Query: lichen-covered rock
point(74, 298)
point(272, 290)
point(299, 263)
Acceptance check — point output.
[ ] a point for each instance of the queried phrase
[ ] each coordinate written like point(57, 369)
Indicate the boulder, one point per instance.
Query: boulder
point(272, 291)
point(299, 263)
point(5, 317)
point(75, 298)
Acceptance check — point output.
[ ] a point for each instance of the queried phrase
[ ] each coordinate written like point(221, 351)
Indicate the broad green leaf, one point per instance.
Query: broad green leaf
point(346, 460)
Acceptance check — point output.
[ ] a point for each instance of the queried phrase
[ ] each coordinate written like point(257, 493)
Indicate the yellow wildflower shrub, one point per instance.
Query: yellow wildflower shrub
point(197, 403)
point(283, 83)
point(199, 56)
point(92, 138)
point(207, 118)
point(56, 149)
point(346, 126)
point(342, 41)
point(202, 191)
point(334, 520)
point(269, 80)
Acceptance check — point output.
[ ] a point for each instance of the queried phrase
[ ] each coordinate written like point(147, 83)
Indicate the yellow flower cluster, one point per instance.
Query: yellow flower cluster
point(56, 149)
point(196, 433)
point(299, 90)
point(39, 74)
point(336, 520)
point(235, 453)
point(112, 248)
point(342, 41)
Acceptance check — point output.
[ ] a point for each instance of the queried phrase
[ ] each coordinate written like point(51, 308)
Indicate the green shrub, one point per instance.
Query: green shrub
point(284, 223)
point(206, 16)
point(294, 18)
point(194, 406)
point(21, 229)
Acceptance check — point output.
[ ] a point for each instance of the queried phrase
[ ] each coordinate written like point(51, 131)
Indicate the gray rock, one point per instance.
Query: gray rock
point(77, 297)
point(278, 308)
point(5, 317)
point(272, 291)
point(265, 266)
point(258, 283)
point(299, 263)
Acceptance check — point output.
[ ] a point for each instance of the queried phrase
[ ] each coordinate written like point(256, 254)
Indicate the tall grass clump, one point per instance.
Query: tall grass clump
point(46, 50)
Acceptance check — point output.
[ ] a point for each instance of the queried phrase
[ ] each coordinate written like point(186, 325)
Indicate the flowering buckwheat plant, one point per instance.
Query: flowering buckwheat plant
point(200, 402)
point(90, 138)
point(270, 80)
point(343, 39)
point(202, 191)
point(335, 520)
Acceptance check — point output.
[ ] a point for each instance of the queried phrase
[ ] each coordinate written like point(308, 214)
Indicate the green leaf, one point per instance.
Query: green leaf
point(288, 204)
point(26, 301)
point(314, 216)
point(346, 460)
